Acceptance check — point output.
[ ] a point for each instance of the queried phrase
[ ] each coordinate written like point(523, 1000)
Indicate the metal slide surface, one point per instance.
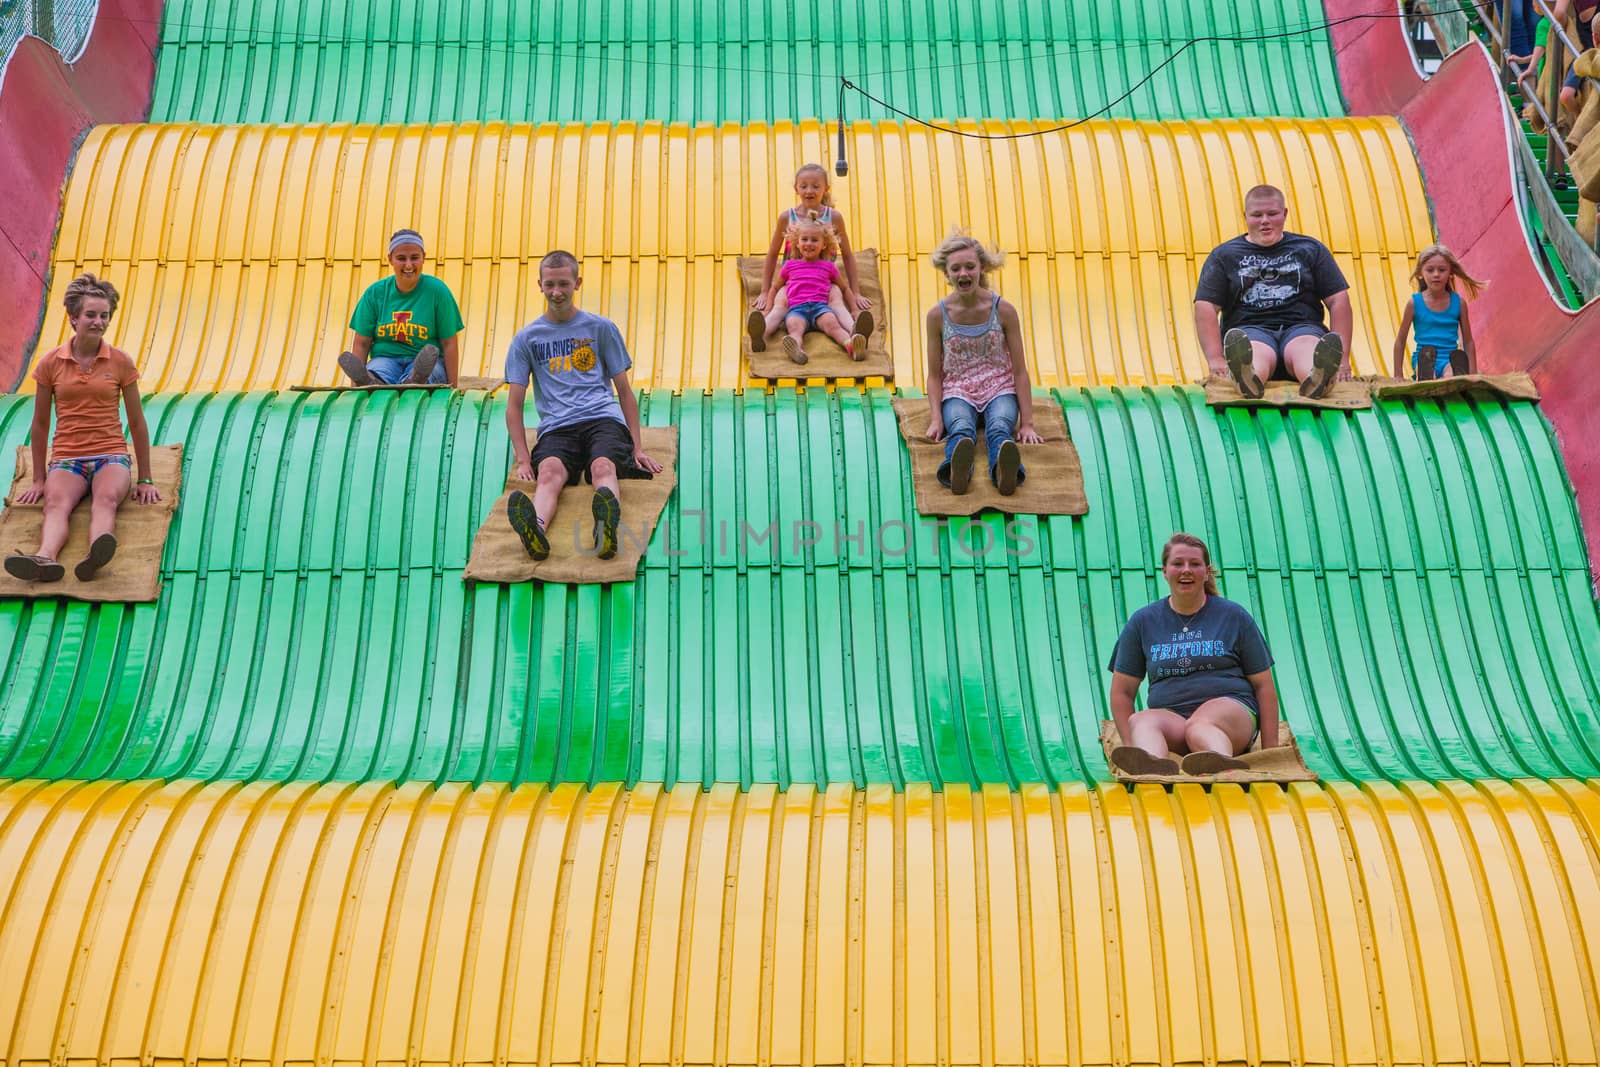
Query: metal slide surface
point(241, 251)
point(372, 923)
point(822, 785)
point(314, 624)
point(728, 61)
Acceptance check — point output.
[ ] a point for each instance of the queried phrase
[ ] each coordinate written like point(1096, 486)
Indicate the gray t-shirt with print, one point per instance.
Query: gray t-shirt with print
point(570, 365)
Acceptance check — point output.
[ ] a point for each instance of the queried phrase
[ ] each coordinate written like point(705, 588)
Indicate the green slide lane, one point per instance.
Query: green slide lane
point(728, 61)
point(1417, 568)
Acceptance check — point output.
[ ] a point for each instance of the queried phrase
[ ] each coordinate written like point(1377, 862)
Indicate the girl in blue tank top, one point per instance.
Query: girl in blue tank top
point(1444, 332)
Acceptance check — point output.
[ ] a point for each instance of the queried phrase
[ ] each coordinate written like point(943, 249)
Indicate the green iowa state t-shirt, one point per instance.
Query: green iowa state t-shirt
point(401, 323)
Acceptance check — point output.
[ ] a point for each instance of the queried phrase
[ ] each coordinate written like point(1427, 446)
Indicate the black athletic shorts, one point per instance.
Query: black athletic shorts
point(582, 443)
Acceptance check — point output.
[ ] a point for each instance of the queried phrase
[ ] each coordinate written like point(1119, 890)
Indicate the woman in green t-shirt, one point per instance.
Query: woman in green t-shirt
point(404, 323)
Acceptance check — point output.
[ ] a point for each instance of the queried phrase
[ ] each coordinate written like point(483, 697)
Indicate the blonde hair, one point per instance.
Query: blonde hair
point(830, 240)
point(961, 240)
point(818, 169)
point(84, 286)
point(1205, 557)
point(1472, 285)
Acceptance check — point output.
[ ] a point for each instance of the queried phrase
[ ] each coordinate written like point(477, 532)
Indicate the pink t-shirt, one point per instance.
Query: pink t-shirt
point(807, 280)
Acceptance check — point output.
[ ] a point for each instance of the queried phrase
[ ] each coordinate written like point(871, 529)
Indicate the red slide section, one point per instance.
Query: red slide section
point(45, 108)
point(1457, 121)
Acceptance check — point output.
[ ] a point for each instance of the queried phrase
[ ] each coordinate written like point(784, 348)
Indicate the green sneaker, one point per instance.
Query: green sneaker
point(524, 520)
point(607, 511)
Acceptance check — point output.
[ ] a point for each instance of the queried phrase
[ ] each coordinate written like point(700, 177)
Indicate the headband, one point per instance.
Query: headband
point(405, 237)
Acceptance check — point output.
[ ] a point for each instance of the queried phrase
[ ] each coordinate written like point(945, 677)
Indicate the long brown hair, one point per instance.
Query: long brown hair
point(1192, 541)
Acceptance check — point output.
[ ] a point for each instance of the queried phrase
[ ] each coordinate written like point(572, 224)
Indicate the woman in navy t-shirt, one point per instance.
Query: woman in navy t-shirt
point(1210, 674)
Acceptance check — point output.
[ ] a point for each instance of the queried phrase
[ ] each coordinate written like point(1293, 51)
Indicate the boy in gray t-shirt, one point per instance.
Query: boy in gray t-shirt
point(578, 366)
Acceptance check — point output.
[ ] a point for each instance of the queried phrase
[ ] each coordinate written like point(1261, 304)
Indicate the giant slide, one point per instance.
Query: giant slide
point(821, 785)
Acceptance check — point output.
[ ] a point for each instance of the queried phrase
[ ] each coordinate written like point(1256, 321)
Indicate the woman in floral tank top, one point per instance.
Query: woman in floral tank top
point(976, 373)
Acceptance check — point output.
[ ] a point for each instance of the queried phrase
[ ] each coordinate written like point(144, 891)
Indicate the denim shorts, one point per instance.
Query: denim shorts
point(86, 467)
point(1278, 337)
point(811, 311)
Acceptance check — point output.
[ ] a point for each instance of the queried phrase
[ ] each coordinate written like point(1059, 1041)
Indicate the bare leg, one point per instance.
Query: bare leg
point(847, 315)
point(107, 493)
point(778, 310)
point(1223, 725)
point(1217, 732)
point(62, 491)
point(603, 473)
point(1157, 731)
point(1297, 356)
point(828, 323)
point(1152, 734)
point(552, 475)
point(1263, 360)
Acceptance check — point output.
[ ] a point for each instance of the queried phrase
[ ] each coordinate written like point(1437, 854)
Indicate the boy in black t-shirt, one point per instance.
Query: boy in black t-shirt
point(1270, 287)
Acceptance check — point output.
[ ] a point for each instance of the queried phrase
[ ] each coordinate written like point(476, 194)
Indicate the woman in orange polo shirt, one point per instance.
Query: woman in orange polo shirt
point(83, 379)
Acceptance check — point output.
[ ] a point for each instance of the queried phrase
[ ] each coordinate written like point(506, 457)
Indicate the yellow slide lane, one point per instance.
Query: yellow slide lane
point(241, 251)
point(281, 924)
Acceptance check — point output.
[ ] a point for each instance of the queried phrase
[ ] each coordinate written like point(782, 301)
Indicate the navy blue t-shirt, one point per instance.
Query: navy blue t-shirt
point(1210, 659)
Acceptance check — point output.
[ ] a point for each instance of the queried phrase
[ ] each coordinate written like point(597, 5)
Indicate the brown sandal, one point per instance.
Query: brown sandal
point(1130, 759)
point(34, 568)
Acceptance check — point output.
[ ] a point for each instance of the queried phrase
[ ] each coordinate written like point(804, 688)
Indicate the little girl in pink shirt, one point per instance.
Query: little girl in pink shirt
point(808, 280)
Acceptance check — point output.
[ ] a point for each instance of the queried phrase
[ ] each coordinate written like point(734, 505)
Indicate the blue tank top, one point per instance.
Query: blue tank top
point(1441, 329)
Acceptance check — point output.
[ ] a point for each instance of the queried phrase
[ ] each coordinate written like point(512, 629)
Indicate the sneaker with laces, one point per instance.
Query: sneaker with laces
point(1236, 349)
point(607, 511)
point(525, 521)
point(1326, 359)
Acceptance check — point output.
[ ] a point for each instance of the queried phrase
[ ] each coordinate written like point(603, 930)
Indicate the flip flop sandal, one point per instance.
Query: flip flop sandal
point(1130, 759)
point(100, 553)
point(1204, 763)
point(525, 521)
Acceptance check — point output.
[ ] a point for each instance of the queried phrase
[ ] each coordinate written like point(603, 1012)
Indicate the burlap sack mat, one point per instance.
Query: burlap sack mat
point(1054, 485)
point(826, 358)
point(1353, 395)
point(498, 555)
point(1280, 764)
point(1517, 385)
point(134, 574)
point(472, 381)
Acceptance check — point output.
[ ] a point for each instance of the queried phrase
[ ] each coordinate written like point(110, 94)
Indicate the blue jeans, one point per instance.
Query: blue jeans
point(391, 370)
point(999, 418)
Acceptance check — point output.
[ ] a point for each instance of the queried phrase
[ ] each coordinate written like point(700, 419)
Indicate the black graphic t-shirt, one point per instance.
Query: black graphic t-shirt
point(1212, 658)
point(1273, 286)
